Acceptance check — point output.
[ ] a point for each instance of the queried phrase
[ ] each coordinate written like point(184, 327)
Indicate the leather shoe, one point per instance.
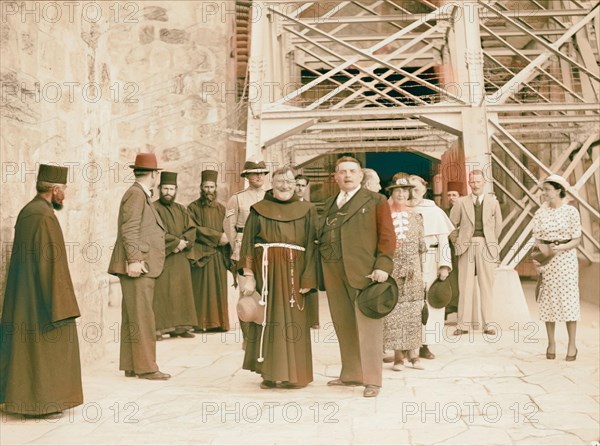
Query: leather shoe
point(425, 353)
point(371, 391)
point(550, 355)
point(187, 334)
point(155, 376)
point(459, 332)
point(129, 374)
point(268, 384)
point(339, 382)
point(289, 385)
point(489, 331)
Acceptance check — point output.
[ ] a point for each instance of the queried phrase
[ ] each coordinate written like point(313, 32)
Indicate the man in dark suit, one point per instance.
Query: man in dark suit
point(138, 259)
point(357, 243)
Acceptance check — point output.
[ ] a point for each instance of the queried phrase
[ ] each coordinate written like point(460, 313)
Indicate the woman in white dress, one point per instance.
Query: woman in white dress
point(557, 223)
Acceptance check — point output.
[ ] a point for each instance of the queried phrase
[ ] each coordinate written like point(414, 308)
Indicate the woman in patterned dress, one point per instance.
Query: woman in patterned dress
point(558, 224)
point(402, 327)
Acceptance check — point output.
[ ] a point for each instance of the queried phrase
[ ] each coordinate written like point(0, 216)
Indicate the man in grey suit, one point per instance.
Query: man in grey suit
point(356, 243)
point(479, 223)
point(138, 259)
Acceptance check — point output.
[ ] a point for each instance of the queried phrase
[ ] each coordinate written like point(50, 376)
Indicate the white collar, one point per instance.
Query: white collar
point(350, 194)
point(145, 188)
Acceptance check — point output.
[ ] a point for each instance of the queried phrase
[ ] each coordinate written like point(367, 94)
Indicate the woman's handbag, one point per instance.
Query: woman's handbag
point(542, 253)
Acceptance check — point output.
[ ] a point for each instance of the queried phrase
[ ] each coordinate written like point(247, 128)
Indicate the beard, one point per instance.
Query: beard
point(57, 205)
point(167, 199)
point(207, 197)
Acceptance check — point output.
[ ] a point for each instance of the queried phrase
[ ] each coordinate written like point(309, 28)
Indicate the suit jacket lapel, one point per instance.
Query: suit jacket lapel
point(356, 203)
point(470, 208)
point(326, 210)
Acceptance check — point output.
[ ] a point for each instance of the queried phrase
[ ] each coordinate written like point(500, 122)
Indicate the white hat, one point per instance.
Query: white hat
point(558, 180)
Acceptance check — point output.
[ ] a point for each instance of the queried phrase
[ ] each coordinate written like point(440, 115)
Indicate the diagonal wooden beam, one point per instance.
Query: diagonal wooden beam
point(554, 47)
point(369, 53)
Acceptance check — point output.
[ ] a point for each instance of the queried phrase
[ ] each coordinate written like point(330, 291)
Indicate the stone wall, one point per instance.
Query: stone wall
point(90, 84)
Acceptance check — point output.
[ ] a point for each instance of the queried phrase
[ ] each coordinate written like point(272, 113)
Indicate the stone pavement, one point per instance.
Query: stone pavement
point(479, 390)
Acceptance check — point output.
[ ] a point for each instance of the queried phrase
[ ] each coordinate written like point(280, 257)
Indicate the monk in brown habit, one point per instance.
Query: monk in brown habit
point(173, 304)
point(40, 372)
point(209, 257)
point(277, 258)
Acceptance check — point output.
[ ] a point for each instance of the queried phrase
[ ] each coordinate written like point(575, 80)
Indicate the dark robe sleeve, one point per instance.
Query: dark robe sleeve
point(55, 285)
point(309, 275)
point(247, 250)
point(190, 231)
point(205, 239)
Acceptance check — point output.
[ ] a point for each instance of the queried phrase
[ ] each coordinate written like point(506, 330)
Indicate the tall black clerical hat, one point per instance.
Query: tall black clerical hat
point(168, 178)
point(209, 175)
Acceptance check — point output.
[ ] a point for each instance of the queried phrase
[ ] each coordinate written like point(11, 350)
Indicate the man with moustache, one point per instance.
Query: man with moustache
point(357, 243)
point(209, 257)
point(173, 305)
point(40, 371)
point(479, 221)
point(237, 211)
point(137, 260)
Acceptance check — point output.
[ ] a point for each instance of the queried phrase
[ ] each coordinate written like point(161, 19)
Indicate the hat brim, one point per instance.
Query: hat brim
point(249, 171)
point(395, 186)
point(564, 184)
point(133, 166)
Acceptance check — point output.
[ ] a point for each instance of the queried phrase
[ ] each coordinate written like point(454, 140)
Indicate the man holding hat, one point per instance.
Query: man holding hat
point(356, 242)
point(209, 257)
point(238, 210)
point(138, 259)
point(173, 305)
point(40, 371)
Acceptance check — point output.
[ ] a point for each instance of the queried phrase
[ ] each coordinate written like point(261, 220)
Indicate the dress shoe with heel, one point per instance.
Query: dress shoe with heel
point(550, 355)
point(570, 358)
point(398, 366)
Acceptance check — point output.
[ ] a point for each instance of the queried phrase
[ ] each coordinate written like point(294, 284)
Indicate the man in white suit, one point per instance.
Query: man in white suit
point(479, 223)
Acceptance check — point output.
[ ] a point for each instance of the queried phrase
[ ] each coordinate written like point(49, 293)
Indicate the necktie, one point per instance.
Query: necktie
point(344, 199)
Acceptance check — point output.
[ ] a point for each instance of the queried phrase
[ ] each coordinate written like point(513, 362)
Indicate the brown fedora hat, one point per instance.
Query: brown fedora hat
point(145, 161)
point(249, 310)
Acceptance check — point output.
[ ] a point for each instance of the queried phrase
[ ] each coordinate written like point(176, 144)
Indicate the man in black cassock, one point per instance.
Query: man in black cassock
point(209, 257)
point(40, 370)
point(173, 306)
